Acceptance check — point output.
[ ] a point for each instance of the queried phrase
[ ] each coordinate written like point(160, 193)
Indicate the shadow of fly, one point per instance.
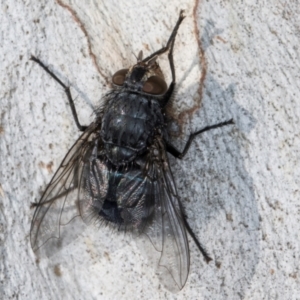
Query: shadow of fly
point(118, 172)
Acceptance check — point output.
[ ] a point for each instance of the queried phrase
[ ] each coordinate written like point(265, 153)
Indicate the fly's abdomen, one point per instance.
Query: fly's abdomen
point(128, 123)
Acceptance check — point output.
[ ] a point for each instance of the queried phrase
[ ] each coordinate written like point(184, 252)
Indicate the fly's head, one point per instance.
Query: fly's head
point(144, 77)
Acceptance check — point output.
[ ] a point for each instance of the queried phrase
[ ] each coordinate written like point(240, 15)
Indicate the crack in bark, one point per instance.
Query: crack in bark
point(78, 21)
point(203, 64)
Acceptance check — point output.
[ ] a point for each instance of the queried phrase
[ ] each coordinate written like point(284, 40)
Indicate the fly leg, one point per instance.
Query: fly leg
point(170, 41)
point(176, 153)
point(193, 236)
point(170, 90)
point(67, 91)
point(169, 47)
point(75, 185)
point(63, 194)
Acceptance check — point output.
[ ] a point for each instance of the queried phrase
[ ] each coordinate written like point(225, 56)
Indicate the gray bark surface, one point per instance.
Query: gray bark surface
point(239, 184)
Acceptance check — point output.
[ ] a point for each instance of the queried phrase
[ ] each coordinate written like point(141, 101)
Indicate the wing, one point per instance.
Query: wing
point(55, 222)
point(166, 229)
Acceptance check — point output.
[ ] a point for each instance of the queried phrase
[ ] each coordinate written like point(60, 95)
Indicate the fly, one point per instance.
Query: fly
point(118, 172)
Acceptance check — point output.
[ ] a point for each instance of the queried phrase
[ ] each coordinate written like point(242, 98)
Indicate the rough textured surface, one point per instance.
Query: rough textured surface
point(240, 185)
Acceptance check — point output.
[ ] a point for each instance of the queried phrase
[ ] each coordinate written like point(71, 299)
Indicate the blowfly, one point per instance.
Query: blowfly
point(118, 172)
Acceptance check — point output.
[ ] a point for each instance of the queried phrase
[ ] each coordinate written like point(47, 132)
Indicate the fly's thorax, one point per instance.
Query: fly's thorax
point(129, 122)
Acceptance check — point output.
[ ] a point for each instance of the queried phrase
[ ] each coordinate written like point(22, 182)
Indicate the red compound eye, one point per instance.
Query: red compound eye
point(119, 77)
point(155, 86)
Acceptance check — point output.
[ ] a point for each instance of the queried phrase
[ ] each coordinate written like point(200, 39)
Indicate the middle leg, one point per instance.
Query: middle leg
point(176, 153)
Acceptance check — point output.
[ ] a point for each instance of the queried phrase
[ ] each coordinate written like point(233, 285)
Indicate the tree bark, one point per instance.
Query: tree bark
point(239, 184)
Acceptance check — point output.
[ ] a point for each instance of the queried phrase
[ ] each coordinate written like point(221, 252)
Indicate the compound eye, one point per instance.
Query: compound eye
point(119, 77)
point(155, 86)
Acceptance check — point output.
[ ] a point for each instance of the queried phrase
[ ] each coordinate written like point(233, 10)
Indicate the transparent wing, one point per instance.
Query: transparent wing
point(55, 222)
point(166, 230)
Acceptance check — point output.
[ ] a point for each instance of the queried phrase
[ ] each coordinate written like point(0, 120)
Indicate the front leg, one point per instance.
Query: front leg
point(176, 153)
point(67, 90)
point(169, 47)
